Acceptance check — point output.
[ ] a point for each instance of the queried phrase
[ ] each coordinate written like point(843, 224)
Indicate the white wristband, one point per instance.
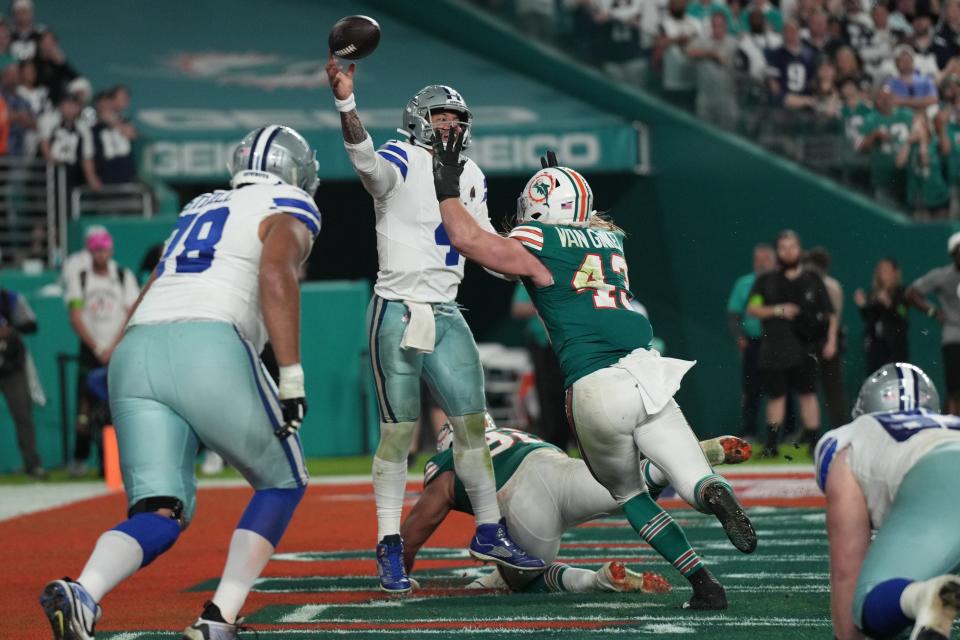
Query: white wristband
point(291, 382)
point(346, 105)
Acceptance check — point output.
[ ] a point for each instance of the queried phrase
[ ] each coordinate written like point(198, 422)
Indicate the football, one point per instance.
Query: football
point(354, 37)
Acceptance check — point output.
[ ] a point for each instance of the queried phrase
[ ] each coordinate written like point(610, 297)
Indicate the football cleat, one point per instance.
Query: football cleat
point(936, 613)
point(708, 593)
point(721, 502)
point(206, 628)
point(726, 450)
point(70, 609)
point(614, 576)
point(393, 573)
point(492, 543)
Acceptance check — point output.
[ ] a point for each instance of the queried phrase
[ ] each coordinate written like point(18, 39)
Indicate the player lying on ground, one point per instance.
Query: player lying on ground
point(619, 391)
point(188, 371)
point(894, 469)
point(542, 494)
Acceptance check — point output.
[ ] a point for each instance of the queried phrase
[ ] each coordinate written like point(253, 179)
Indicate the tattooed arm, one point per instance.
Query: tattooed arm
point(378, 176)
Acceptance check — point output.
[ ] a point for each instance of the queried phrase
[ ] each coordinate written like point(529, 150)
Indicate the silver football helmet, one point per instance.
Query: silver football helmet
point(276, 150)
point(897, 387)
point(416, 115)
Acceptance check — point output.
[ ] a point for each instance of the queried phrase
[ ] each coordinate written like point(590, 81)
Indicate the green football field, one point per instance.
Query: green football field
point(780, 591)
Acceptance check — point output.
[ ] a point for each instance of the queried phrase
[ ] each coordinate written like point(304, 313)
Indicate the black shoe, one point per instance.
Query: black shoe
point(722, 503)
point(770, 452)
point(708, 593)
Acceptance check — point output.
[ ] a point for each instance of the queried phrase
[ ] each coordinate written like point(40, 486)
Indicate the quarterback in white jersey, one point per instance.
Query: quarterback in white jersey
point(415, 327)
point(187, 371)
point(886, 471)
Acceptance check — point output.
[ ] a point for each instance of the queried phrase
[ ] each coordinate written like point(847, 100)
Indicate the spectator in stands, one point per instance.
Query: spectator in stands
point(64, 140)
point(884, 314)
point(848, 68)
point(945, 283)
point(99, 294)
point(18, 110)
point(716, 58)
point(879, 43)
point(911, 88)
point(927, 193)
point(947, 127)
point(818, 260)
point(703, 10)
point(946, 43)
point(856, 24)
point(771, 14)
point(547, 376)
point(853, 110)
point(121, 104)
point(677, 29)
point(818, 38)
point(53, 70)
point(747, 330)
point(884, 131)
point(923, 41)
point(619, 22)
point(790, 67)
point(901, 20)
point(536, 18)
point(26, 34)
point(17, 319)
point(112, 138)
point(797, 316)
point(753, 45)
point(81, 89)
point(36, 97)
point(5, 39)
point(823, 97)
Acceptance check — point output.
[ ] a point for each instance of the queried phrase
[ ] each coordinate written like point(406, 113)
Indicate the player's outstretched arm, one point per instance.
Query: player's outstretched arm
point(377, 175)
point(430, 510)
point(503, 255)
point(848, 532)
point(286, 244)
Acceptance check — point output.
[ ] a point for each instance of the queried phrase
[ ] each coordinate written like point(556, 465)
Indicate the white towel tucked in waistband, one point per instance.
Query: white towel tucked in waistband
point(421, 331)
point(658, 378)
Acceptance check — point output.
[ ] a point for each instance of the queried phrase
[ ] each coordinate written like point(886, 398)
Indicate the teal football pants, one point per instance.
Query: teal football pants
point(919, 538)
point(452, 370)
point(176, 385)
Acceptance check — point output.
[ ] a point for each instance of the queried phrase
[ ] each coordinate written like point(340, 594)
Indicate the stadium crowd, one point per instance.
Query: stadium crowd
point(877, 81)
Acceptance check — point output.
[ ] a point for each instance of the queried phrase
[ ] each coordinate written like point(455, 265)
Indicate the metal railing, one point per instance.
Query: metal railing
point(32, 225)
point(128, 198)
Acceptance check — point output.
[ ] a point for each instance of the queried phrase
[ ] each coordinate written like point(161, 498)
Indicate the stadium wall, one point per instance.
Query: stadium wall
point(692, 222)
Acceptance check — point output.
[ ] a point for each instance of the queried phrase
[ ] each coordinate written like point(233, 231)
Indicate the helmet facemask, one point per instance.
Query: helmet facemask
point(417, 114)
point(556, 195)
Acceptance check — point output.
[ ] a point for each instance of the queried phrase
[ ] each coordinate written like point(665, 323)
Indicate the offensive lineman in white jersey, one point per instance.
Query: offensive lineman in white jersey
point(415, 326)
point(895, 470)
point(188, 372)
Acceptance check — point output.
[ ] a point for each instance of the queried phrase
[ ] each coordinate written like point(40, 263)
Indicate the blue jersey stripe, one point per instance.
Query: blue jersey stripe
point(397, 150)
point(256, 139)
point(395, 159)
point(827, 452)
point(295, 203)
point(307, 220)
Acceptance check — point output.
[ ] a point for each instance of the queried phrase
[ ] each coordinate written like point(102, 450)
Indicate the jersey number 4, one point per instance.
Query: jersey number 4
point(591, 275)
point(200, 234)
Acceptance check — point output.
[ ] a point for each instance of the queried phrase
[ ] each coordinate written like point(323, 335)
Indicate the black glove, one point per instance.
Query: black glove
point(293, 410)
point(447, 165)
point(550, 160)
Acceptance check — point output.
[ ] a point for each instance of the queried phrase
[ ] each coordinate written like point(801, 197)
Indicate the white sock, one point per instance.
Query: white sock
point(912, 597)
point(474, 467)
point(389, 486)
point(579, 580)
point(116, 557)
point(248, 555)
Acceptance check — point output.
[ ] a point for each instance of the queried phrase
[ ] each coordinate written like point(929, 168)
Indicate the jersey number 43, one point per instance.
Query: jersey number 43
point(591, 275)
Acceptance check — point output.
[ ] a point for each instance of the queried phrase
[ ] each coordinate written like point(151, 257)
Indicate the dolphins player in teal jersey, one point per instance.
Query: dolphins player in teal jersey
point(542, 494)
point(619, 391)
point(893, 470)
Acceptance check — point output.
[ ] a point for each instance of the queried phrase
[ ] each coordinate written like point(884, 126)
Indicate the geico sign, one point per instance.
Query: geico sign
point(243, 120)
point(495, 153)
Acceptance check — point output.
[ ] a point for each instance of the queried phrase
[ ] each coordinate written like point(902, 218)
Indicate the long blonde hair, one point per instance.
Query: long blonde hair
point(596, 221)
